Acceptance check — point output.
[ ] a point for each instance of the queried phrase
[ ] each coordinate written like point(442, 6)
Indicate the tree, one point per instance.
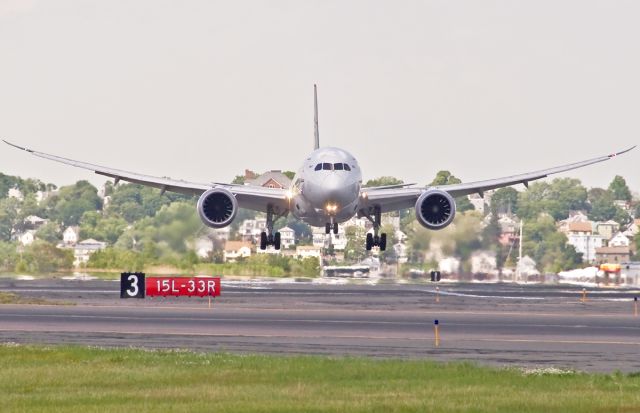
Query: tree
point(355, 249)
point(71, 202)
point(619, 189)
point(383, 181)
point(603, 207)
point(289, 174)
point(491, 240)
point(49, 232)
point(447, 178)
point(504, 200)
point(42, 256)
point(103, 228)
point(8, 217)
point(548, 247)
point(557, 199)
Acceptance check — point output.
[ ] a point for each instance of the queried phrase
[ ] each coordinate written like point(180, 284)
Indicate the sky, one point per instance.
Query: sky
point(201, 90)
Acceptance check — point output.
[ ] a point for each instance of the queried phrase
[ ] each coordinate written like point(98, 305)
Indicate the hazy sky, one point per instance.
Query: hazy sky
point(201, 90)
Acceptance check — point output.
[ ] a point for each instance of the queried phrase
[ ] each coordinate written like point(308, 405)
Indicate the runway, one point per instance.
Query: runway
point(498, 324)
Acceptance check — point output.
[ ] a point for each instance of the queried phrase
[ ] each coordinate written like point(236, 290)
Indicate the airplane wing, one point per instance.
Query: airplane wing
point(251, 197)
point(399, 198)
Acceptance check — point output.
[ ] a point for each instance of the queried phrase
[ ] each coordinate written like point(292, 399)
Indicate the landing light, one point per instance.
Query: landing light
point(331, 208)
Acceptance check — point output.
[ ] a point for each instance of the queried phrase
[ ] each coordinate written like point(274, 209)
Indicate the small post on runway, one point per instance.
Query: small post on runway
point(209, 301)
point(635, 306)
point(584, 295)
point(437, 333)
point(437, 294)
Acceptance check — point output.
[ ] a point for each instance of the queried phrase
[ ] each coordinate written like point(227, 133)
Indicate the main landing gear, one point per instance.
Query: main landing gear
point(269, 238)
point(328, 227)
point(375, 240)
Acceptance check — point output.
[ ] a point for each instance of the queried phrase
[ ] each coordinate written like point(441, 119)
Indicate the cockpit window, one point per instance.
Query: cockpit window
point(347, 167)
point(326, 166)
point(318, 167)
point(338, 166)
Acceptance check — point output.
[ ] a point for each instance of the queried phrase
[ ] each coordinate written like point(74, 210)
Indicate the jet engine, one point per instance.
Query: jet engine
point(217, 207)
point(435, 209)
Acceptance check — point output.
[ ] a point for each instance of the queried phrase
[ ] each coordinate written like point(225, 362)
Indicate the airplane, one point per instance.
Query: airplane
point(327, 190)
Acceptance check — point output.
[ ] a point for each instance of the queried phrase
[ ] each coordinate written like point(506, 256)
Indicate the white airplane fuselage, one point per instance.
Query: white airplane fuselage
point(326, 188)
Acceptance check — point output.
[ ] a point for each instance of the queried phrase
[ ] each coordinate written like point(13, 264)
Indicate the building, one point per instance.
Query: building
point(26, 238)
point(580, 235)
point(449, 265)
point(83, 250)
point(287, 237)
point(619, 240)
point(478, 202)
point(271, 179)
point(509, 230)
point(484, 262)
point(233, 250)
point(321, 239)
point(606, 229)
point(71, 235)
point(203, 246)
point(15, 193)
point(574, 216)
point(250, 229)
point(612, 255)
point(34, 222)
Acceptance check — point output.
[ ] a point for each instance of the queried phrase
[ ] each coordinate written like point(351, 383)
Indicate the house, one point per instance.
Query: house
point(15, 193)
point(26, 238)
point(233, 250)
point(250, 229)
point(574, 216)
point(222, 233)
point(401, 252)
point(71, 235)
point(83, 250)
point(509, 230)
point(307, 251)
point(484, 262)
point(478, 202)
point(619, 240)
point(271, 179)
point(612, 255)
point(606, 229)
point(34, 222)
point(287, 237)
point(526, 267)
point(449, 265)
point(321, 239)
point(580, 235)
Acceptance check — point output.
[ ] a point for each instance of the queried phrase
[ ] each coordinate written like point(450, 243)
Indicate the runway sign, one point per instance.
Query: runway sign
point(136, 285)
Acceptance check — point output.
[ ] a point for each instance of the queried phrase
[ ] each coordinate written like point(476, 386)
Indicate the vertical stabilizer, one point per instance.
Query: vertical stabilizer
point(316, 131)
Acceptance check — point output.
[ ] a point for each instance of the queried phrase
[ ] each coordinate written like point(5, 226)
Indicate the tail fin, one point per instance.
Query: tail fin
point(316, 131)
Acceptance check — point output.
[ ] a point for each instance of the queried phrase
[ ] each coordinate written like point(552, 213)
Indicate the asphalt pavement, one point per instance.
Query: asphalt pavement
point(497, 324)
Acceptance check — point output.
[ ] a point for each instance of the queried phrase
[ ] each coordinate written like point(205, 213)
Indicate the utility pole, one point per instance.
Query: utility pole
point(518, 267)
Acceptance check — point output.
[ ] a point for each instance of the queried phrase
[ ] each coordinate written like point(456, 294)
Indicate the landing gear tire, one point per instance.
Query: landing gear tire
point(263, 240)
point(369, 243)
point(335, 228)
point(276, 241)
point(266, 240)
point(376, 241)
point(327, 228)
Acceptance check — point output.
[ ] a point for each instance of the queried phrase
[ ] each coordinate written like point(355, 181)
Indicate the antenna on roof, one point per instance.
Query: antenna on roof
point(316, 131)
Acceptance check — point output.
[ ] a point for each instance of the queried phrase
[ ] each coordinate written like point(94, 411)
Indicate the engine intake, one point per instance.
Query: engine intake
point(217, 207)
point(435, 209)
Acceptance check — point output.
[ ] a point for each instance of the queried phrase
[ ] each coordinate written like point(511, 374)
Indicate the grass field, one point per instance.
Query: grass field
point(81, 379)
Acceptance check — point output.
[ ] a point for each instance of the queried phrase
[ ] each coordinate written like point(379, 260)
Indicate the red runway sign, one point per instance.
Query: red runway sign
point(136, 285)
point(179, 286)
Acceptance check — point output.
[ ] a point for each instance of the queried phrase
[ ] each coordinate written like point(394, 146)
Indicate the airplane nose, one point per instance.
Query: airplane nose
point(336, 190)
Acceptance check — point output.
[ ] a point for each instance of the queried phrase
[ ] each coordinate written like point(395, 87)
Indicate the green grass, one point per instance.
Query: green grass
point(81, 379)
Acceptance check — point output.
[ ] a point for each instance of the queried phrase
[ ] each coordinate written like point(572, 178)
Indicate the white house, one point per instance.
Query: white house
point(203, 246)
point(484, 262)
point(580, 235)
point(15, 193)
point(401, 252)
point(236, 249)
point(449, 265)
point(619, 240)
point(287, 237)
point(222, 233)
point(26, 238)
point(71, 235)
point(83, 250)
point(250, 229)
point(321, 239)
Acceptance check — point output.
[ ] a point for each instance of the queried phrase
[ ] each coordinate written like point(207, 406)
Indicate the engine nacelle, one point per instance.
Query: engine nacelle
point(435, 209)
point(217, 207)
